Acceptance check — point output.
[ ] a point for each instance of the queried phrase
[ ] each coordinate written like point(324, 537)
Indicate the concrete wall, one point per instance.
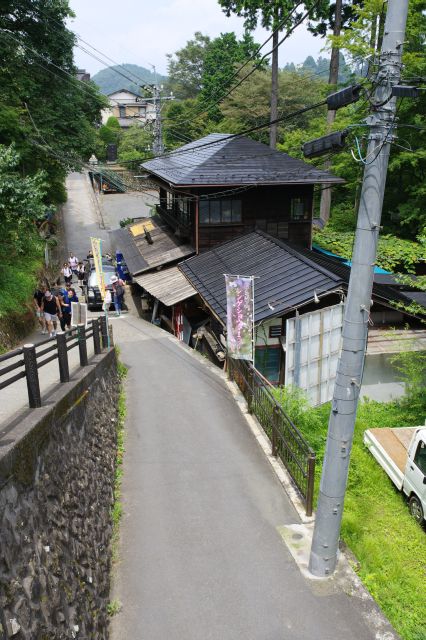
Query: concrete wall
point(56, 494)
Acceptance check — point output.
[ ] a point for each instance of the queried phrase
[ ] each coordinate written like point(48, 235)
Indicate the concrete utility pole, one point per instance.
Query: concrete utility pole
point(158, 146)
point(382, 120)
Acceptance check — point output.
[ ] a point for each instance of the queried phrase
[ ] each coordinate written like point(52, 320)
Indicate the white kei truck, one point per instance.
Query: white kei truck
point(401, 452)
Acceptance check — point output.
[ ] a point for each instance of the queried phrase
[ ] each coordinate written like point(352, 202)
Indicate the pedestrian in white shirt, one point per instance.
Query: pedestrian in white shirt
point(73, 262)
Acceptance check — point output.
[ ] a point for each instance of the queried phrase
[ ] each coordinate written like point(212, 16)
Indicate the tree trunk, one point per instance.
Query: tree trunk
point(274, 93)
point(333, 79)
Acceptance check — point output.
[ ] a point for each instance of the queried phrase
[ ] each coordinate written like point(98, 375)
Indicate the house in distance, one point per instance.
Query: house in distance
point(223, 186)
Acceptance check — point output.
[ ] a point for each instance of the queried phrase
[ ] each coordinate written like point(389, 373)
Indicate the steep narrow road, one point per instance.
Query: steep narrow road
point(200, 554)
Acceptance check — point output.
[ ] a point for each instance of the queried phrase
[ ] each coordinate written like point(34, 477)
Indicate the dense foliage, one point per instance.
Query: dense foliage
point(21, 205)
point(44, 109)
point(394, 254)
point(47, 120)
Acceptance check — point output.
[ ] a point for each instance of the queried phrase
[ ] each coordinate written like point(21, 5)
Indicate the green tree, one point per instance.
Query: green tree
point(248, 105)
point(185, 67)
point(135, 144)
point(272, 15)
point(405, 194)
point(221, 59)
point(44, 109)
point(185, 120)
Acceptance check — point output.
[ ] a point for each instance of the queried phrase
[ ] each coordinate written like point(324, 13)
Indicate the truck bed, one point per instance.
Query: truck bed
point(389, 447)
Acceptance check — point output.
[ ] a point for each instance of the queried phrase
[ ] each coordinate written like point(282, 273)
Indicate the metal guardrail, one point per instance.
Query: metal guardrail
point(32, 359)
point(286, 440)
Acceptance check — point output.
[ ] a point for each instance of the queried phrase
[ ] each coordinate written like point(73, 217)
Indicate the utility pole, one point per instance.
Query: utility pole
point(158, 146)
point(157, 99)
point(325, 543)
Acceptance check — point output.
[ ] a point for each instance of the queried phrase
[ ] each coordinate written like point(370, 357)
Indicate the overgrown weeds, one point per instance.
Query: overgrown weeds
point(121, 417)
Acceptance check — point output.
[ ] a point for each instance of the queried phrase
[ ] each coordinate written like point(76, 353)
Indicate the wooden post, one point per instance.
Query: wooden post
point(82, 345)
point(96, 336)
point(61, 341)
point(31, 371)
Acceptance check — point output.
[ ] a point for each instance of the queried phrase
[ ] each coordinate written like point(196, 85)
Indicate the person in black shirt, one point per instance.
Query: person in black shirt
point(38, 299)
point(51, 309)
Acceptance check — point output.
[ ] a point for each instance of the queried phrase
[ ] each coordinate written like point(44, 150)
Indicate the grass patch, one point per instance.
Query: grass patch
point(117, 508)
point(389, 545)
point(18, 279)
point(113, 607)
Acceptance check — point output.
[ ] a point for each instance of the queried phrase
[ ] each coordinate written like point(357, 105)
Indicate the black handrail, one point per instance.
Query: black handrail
point(32, 362)
point(287, 441)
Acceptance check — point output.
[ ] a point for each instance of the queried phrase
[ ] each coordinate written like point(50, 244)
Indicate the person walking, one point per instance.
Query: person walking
point(72, 296)
point(73, 262)
point(118, 293)
point(65, 304)
point(38, 300)
point(52, 310)
point(81, 274)
point(67, 273)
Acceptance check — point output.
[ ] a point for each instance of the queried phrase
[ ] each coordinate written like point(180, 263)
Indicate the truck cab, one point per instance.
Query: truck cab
point(401, 452)
point(414, 484)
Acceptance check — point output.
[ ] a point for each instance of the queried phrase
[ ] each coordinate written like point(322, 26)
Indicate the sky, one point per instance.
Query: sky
point(144, 32)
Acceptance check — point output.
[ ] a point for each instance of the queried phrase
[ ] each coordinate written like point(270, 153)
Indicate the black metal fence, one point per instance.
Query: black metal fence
point(27, 360)
point(286, 440)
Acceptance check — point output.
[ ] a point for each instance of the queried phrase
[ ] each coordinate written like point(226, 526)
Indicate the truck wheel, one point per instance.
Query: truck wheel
point(416, 509)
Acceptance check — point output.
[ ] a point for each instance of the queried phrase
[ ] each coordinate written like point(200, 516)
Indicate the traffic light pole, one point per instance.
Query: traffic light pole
point(325, 542)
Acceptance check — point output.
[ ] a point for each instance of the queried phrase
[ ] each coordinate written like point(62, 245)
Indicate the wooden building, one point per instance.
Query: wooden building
point(290, 283)
point(224, 186)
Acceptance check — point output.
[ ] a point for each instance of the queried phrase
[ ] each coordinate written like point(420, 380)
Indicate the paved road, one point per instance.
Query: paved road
point(200, 553)
point(116, 206)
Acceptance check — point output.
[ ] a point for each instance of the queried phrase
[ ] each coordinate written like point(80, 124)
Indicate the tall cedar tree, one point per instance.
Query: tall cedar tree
point(271, 15)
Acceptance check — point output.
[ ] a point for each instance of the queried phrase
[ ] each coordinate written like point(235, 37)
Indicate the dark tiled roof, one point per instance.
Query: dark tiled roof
point(140, 254)
point(220, 159)
point(284, 278)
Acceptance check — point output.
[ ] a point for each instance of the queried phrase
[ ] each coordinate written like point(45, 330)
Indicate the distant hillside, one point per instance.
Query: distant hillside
point(108, 80)
point(320, 68)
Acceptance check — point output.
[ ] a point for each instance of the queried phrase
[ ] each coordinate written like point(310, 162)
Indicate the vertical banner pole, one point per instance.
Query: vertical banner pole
point(254, 331)
point(240, 317)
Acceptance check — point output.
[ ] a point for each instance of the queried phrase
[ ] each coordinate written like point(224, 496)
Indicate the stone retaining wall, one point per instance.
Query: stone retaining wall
point(56, 494)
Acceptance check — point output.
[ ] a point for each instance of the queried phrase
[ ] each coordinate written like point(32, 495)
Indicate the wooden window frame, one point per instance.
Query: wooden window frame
point(214, 203)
